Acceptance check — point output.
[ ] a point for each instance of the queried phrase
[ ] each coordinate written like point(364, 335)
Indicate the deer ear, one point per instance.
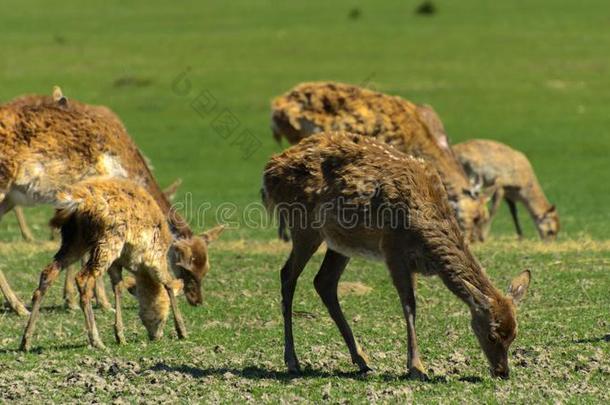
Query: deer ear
point(212, 234)
point(518, 287)
point(170, 191)
point(479, 299)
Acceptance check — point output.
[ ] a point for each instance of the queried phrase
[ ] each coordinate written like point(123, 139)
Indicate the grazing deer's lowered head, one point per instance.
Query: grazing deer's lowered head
point(548, 224)
point(191, 263)
point(494, 321)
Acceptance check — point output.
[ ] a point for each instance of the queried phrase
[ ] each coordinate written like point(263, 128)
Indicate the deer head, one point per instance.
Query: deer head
point(191, 264)
point(548, 224)
point(494, 321)
point(154, 304)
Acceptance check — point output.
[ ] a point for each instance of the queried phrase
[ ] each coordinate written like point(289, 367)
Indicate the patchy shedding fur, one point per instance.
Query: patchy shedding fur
point(509, 173)
point(117, 224)
point(369, 177)
point(314, 107)
point(46, 145)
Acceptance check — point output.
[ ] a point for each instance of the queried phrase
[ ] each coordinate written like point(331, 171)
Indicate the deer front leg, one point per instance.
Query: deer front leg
point(26, 233)
point(178, 320)
point(11, 298)
point(405, 282)
point(512, 206)
point(326, 283)
point(116, 278)
point(48, 275)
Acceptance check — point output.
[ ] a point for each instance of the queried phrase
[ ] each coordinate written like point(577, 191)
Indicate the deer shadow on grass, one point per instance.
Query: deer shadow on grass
point(58, 308)
point(259, 373)
point(41, 349)
point(604, 338)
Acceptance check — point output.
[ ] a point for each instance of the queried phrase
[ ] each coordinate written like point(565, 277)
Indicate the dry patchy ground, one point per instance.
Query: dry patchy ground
point(234, 351)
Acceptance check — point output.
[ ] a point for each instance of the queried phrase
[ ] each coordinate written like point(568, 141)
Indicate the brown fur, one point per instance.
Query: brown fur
point(366, 175)
point(325, 106)
point(117, 224)
point(509, 173)
point(45, 146)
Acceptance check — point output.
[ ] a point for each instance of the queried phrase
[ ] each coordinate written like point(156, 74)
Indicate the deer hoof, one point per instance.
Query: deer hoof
point(417, 374)
point(294, 368)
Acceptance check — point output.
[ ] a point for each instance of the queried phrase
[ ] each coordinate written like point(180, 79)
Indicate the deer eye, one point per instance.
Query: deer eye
point(492, 337)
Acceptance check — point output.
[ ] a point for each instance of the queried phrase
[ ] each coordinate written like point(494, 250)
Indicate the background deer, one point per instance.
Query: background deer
point(313, 107)
point(46, 145)
point(510, 176)
point(399, 213)
point(117, 225)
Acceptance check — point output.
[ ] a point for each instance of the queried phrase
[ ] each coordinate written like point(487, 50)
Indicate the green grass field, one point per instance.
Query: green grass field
point(532, 74)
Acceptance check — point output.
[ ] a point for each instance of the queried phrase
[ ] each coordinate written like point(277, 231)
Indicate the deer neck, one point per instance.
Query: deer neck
point(535, 201)
point(457, 266)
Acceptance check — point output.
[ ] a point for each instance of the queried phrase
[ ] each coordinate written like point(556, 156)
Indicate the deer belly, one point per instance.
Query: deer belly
point(365, 244)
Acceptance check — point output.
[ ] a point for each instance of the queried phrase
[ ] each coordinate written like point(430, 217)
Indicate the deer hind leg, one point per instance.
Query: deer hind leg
point(100, 261)
point(405, 282)
point(26, 233)
point(116, 277)
point(512, 206)
point(70, 290)
point(326, 283)
point(11, 298)
point(304, 245)
point(48, 275)
point(100, 295)
point(496, 200)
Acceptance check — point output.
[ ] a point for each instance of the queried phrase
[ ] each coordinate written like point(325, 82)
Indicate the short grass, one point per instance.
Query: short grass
point(531, 74)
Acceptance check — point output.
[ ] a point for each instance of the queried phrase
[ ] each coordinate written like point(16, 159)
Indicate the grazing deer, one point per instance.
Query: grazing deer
point(364, 198)
point(510, 175)
point(46, 145)
point(314, 107)
point(70, 290)
point(116, 224)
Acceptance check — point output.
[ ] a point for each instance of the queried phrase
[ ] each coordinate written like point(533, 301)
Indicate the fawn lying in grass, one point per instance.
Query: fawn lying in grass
point(364, 198)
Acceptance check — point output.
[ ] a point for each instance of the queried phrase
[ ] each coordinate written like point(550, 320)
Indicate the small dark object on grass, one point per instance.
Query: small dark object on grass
point(355, 13)
point(426, 8)
point(60, 40)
